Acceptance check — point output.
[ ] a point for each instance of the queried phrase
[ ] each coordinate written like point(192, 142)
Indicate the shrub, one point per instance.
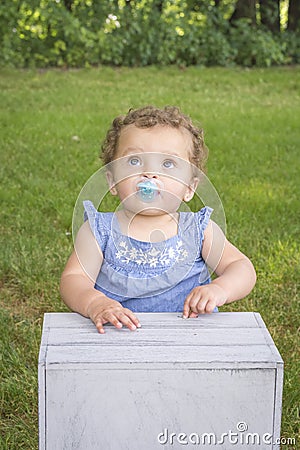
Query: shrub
point(45, 33)
point(255, 46)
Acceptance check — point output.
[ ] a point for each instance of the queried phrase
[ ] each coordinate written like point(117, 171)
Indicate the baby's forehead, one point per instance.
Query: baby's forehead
point(149, 138)
point(137, 129)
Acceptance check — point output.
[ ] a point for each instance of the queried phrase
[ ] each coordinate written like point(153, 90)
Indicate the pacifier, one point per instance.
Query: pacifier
point(147, 190)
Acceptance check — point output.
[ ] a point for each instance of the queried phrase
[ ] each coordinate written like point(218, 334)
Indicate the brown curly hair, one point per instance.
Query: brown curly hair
point(150, 116)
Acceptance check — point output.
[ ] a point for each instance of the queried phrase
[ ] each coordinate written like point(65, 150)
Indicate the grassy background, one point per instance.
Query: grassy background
point(251, 119)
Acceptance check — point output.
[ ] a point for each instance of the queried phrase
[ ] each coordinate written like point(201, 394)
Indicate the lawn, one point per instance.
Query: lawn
point(52, 124)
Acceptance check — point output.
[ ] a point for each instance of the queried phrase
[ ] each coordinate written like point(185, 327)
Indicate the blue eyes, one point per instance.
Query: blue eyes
point(134, 161)
point(167, 164)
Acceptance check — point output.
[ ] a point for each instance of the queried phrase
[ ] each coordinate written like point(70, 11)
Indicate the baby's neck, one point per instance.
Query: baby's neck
point(148, 227)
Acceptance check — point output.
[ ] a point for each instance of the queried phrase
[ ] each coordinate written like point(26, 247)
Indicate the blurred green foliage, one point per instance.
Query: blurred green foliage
point(81, 33)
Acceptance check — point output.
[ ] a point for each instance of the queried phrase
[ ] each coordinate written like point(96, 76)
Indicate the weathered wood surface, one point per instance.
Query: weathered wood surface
point(122, 389)
point(155, 320)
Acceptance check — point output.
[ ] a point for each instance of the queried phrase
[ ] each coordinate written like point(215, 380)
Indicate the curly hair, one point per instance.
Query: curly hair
point(148, 117)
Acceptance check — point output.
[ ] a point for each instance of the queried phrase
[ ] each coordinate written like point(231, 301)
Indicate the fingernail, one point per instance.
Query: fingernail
point(139, 325)
point(184, 316)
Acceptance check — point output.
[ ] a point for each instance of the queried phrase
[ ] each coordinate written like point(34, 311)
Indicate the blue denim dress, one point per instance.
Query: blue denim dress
point(145, 276)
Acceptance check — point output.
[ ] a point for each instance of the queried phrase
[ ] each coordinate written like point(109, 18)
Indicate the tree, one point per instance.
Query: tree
point(159, 4)
point(294, 15)
point(270, 14)
point(68, 4)
point(244, 9)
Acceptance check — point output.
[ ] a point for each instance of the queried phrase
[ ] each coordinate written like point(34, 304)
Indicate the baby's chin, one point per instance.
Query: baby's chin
point(151, 211)
point(158, 207)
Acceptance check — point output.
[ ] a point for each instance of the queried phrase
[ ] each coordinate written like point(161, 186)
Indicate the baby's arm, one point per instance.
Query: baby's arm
point(235, 274)
point(77, 285)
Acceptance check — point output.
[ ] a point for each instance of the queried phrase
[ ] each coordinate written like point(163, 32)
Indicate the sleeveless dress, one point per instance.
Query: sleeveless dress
point(145, 276)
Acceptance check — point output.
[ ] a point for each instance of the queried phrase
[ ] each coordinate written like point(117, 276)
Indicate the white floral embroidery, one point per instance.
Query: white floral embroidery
point(152, 256)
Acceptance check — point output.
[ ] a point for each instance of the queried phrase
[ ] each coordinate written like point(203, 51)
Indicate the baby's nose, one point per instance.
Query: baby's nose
point(149, 174)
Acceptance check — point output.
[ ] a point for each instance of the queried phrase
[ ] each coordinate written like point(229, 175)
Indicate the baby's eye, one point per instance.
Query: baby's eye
point(168, 164)
point(134, 161)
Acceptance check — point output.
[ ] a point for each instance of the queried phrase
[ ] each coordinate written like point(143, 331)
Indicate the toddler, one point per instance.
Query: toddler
point(148, 256)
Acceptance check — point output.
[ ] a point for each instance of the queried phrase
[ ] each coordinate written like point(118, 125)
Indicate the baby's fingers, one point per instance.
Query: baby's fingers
point(194, 304)
point(114, 319)
point(126, 320)
point(99, 326)
point(188, 308)
point(104, 318)
point(123, 316)
point(134, 320)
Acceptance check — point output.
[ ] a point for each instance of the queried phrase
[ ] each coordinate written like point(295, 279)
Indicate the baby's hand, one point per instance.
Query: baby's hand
point(104, 310)
point(203, 299)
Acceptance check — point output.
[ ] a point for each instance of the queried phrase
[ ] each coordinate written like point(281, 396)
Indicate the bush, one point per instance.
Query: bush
point(255, 47)
point(291, 45)
point(46, 33)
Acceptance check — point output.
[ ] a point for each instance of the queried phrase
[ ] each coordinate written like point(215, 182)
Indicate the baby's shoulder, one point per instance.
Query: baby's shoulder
point(200, 218)
point(97, 219)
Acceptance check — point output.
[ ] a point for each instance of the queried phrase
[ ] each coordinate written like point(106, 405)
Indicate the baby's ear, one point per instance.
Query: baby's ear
point(191, 189)
point(111, 183)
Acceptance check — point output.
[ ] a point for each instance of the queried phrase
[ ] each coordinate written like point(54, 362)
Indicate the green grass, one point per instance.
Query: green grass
point(251, 120)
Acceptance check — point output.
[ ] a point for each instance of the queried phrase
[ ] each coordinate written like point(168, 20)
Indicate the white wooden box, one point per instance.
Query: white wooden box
point(174, 383)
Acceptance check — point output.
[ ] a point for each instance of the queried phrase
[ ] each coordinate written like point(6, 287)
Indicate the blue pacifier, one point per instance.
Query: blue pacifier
point(147, 190)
